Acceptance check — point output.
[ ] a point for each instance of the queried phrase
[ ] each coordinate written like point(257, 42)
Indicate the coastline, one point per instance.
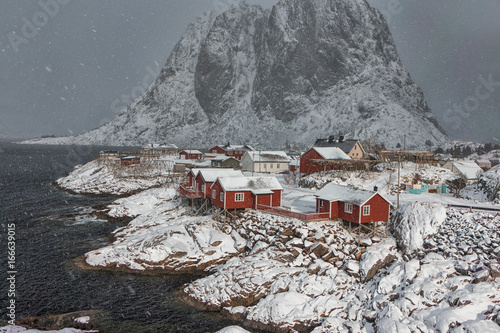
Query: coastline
point(278, 274)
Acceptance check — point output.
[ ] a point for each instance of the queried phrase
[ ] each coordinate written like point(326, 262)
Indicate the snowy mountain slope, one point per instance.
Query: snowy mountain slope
point(305, 69)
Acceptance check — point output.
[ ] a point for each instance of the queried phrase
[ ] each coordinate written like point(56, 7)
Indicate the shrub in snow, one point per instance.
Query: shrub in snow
point(414, 222)
point(486, 189)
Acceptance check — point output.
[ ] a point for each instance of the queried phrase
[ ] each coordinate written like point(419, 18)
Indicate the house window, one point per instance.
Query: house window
point(239, 197)
point(348, 208)
point(277, 166)
point(222, 196)
point(265, 165)
point(203, 188)
point(271, 165)
point(366, 210)
point(214, 194)
point(321, 203)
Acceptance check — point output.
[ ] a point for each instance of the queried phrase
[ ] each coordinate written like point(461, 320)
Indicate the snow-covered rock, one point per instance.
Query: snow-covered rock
point(141, 203)
point(415, 222)
point(486, 189)
point(377, 257)
point(165, 239)
point(232, 329)
point(101, 179)
point(287, 72)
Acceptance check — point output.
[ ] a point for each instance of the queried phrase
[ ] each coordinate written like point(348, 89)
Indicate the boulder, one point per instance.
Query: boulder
point(376, 257)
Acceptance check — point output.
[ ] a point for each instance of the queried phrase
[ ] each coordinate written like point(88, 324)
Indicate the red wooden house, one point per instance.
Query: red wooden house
point(353, 205)
point(205, 179)
point(246, 192)
point(191, 155)
point(236, 151)
point(199, 181)
point(308, 166)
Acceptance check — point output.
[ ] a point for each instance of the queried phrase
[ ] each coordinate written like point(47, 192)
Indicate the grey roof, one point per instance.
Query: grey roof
point(211, 175)
point(346, 146)
point(231, 147)
point(269, 156)
point(257, 185)
point(332, 153)
point(335, 192)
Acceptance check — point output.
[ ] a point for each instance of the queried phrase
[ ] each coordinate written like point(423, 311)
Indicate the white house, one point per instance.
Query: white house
point(265, 161)
point(469, 171)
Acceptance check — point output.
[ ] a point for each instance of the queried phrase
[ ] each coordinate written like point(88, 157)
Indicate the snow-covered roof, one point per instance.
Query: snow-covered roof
point(469, 169)
point(236, 147)
point(346, 145)
point(269, 156)
point(211, 175)
point(222, 158)
point(205, 164)
point(160, 146)
point(331, 153)
point(335, 192)
point(257, 185)
point(192, 152)
point(195, 171)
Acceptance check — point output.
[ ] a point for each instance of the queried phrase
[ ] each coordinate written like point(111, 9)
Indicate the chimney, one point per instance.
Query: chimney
point(331, 138)
point(341, 139)
point(375, 188)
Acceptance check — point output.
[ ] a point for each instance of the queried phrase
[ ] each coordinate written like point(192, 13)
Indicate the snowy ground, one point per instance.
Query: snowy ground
point(281, 274)
point(163, 238)
point(486, 189)
point(277, 273)
point(100, 179)
point(295, 275)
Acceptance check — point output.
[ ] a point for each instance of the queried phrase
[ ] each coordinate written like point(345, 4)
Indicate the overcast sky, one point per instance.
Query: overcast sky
point(70, 67)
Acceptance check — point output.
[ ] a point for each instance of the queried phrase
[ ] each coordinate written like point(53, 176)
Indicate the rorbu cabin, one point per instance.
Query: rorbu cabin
point(236, 151)
point(246, 192)
point(310, 162)
point(353, 205)
point(205, 179)
point(191, 155)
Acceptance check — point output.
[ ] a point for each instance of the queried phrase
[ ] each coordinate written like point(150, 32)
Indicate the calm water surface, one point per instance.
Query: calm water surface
point(48, 238)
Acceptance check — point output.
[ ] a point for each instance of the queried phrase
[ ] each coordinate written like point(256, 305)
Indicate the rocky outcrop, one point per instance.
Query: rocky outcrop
point(376, 257)
point(304, 69)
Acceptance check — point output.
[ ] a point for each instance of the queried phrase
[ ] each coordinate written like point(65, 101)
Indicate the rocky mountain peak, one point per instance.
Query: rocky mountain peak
point(302, 70)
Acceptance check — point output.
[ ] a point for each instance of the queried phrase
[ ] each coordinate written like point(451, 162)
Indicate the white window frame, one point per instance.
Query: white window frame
point(214, 194)
point(366, 210)
point(265, 165)
point(348, 208)
point(321, 203)
point(277, 166)
point(222, 196)
point(203, 188)
point(270, 166)
point(239, 197)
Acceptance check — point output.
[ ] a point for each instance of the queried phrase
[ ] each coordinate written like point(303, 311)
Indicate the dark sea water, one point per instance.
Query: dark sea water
point(48, 238)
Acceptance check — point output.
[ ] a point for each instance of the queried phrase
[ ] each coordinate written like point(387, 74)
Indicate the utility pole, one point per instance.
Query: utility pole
point(399, 179)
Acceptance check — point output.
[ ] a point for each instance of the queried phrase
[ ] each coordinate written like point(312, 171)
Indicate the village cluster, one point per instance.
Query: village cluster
point(227, 179)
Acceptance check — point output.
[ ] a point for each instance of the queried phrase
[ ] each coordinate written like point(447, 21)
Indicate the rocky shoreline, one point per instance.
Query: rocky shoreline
point(277, 274)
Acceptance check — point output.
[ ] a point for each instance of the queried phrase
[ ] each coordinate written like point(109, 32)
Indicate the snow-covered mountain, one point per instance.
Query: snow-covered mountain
point(304, 69)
